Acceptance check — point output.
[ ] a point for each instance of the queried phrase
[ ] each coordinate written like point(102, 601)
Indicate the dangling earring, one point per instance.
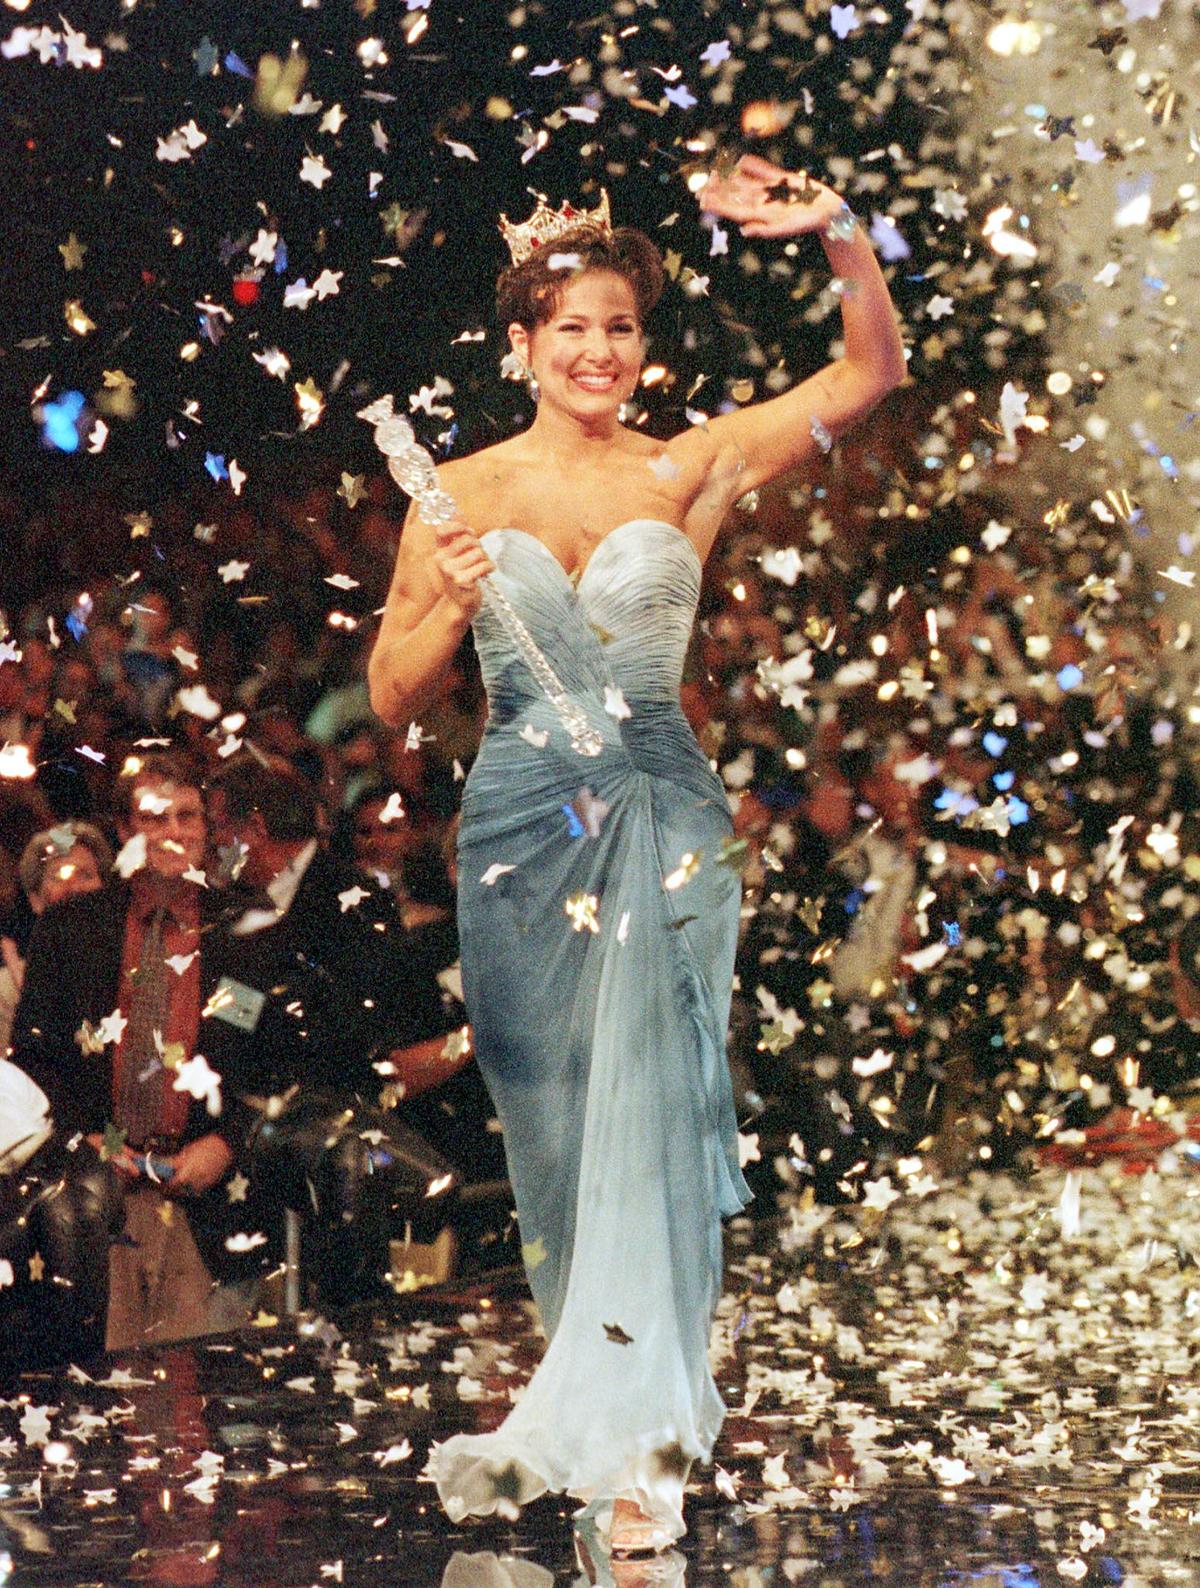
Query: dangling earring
point(531, 385)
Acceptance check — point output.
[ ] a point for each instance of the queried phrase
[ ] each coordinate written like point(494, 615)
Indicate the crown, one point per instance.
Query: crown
point(545, 224)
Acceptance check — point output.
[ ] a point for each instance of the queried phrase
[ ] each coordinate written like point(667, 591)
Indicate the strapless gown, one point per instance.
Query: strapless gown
point(599, 997)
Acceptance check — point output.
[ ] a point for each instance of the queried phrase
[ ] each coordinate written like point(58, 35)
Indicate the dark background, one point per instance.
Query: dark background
point(80, 157)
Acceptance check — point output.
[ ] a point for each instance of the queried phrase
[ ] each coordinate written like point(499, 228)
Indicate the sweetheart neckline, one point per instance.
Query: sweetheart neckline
point(575, 580)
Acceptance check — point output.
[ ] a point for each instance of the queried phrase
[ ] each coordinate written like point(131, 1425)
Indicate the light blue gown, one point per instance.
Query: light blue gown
point(603, 1050)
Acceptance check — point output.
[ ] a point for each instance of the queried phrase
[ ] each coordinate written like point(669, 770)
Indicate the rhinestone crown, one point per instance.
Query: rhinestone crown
point(545, 225)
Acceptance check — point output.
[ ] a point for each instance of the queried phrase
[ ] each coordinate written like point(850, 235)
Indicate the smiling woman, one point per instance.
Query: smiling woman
point(591, 344)
point(598, 925)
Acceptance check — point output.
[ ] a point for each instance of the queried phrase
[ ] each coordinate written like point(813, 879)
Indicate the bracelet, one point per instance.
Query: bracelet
point(842, 227)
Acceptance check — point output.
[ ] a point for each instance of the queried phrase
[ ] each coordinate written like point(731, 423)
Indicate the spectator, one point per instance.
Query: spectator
point(149, 665)
point(396, 840)
point(335, 954)
point(108, 1025)
point(56, 864)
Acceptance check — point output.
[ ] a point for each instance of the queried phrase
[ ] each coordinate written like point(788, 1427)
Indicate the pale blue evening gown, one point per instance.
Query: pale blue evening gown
point(604, 1050)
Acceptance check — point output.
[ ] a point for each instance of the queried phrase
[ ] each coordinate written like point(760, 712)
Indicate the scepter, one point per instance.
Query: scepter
point(413, 471)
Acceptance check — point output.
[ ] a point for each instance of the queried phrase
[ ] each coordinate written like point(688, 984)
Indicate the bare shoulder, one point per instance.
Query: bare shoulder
point(690, 449)
point(694, 448)
point(480, 468)
point(710, 471)
point(481, 475)
point(693, 440)
point(710, 481)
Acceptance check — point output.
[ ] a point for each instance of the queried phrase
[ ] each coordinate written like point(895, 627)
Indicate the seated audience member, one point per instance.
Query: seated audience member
point(397, 840)
point(389, 831)
point(56, 864)
point(124, 990)
point(149, 665)
point(329, 945)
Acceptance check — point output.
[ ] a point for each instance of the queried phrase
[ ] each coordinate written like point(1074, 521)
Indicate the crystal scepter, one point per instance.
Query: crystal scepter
point(413, 471)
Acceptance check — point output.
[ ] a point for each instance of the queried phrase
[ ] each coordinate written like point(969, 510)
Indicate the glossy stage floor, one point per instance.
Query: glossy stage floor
point(992, 1383)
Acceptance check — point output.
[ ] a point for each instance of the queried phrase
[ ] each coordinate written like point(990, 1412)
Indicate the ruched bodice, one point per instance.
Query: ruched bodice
point(626, 620)
point(617, 637)
point(598, 920)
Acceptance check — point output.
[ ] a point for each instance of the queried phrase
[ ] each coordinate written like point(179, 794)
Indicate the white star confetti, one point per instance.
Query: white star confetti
point(615, 703)
point(314, 171)
point(196, 1077)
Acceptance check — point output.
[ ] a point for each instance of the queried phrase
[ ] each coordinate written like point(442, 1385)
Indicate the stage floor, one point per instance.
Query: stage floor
point(955, 1390)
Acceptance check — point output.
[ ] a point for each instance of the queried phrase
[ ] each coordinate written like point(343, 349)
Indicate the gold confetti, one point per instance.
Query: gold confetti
point(72, 251)
point(351, 489)
point(77, 318)
point(581, 910)
point(687, 868)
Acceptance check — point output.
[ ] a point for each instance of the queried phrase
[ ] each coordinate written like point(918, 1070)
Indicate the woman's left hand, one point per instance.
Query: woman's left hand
point(767, 201)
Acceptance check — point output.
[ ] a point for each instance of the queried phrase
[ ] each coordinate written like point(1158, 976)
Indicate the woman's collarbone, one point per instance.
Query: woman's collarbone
point(573, 518)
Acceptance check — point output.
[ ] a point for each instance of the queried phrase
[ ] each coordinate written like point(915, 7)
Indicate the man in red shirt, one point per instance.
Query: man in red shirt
point(144, 1048)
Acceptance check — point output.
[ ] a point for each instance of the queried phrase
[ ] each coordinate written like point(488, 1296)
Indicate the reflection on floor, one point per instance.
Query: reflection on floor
point(950, 1387)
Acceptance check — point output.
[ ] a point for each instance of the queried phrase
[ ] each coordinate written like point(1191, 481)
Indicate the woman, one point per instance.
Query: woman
point(598, 924)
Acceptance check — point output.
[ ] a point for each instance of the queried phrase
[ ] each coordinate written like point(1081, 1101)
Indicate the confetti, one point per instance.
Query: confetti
point(615, 703)
point(314, 171)
point(196, 1077)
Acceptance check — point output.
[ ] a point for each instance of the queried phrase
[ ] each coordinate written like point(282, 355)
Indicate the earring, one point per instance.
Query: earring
point(531, 385)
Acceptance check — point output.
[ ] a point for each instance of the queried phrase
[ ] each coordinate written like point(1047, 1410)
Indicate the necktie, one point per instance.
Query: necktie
point(139, 1100)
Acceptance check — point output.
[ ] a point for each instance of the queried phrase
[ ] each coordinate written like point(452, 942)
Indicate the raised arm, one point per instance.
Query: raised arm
point(433, 596)
point(780, 434)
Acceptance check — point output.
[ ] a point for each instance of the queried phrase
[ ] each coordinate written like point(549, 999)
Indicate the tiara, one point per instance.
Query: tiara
point(545, 224)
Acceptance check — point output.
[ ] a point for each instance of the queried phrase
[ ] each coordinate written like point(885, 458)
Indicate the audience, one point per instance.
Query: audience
point(927, 734)
point(342, 977)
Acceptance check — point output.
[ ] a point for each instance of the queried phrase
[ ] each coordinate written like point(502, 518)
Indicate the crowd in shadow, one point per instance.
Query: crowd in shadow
point(960, 774)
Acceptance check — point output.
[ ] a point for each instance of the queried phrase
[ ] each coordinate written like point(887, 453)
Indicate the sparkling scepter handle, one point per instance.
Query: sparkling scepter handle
point(413, 471)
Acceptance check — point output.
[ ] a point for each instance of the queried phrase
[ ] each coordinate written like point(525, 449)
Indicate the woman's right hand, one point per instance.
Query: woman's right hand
point(461, 563)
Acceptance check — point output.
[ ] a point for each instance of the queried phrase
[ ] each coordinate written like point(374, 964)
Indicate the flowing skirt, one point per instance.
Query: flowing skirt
point(598, 936)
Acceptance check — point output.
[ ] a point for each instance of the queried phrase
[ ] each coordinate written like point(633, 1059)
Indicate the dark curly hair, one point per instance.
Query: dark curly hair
point(528, 294)
point(276, 791)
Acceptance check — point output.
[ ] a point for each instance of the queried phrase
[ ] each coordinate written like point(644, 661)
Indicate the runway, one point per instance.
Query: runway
point(956, 1388)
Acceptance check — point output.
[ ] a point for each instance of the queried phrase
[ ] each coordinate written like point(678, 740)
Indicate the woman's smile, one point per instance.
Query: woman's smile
point(595, 383)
